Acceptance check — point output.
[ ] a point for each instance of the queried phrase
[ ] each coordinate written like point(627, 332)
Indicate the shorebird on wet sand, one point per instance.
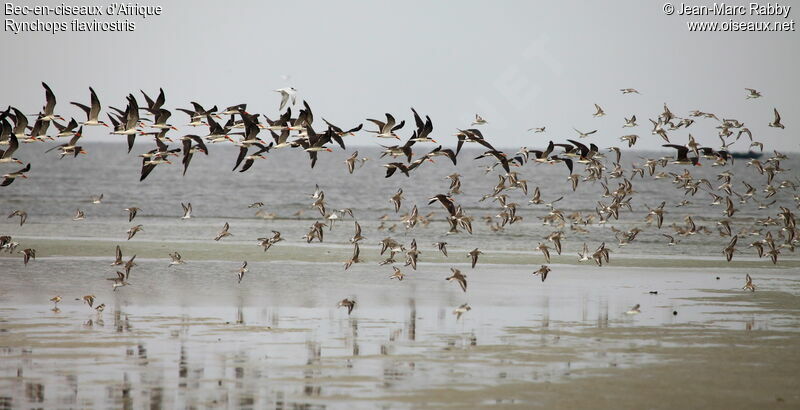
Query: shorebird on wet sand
point(96, 199)
point(749, 284)
point(629, 90)
point(55, 300)
point(461, 310)
point(347, 303)
point(79, 215)
point(457, 276)
point(241, 271)
point(542, 272)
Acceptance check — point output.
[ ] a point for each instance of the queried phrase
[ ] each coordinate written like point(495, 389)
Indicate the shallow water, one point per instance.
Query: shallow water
point(189, 336)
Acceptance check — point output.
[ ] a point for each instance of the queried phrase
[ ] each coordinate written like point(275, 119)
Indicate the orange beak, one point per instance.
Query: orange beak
point(328, 149)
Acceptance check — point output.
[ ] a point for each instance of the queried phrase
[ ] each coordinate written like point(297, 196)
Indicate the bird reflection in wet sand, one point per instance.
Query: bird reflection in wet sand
point(461, 310)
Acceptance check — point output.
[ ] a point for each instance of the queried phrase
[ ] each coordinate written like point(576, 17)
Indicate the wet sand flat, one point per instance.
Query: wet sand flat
point(188, 336)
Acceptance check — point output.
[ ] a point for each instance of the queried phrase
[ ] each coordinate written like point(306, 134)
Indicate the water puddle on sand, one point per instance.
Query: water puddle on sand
point(185, 338)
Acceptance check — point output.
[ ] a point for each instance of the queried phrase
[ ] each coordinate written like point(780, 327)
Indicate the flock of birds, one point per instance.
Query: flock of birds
point(236, 125)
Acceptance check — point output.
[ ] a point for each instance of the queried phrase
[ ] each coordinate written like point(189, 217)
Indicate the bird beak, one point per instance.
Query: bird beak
point(83, 152)
point(18, 162)
point(227, 137)
point(262, 157)
point(434, 141)
point(24, 176)
point(174, 128)
point(328, 149)
point(104, 124)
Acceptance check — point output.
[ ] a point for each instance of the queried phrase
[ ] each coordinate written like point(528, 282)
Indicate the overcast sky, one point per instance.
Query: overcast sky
point(518, 64)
